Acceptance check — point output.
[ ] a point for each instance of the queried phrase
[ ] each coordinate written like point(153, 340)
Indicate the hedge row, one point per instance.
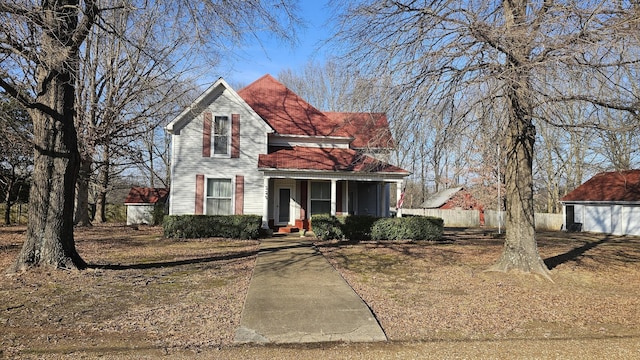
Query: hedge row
point(203, 226)
point(358, 227)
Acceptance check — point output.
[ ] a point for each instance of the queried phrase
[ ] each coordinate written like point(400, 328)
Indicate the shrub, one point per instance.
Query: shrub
point(202, 226)
point(363, 227)
point(358, 227)
point(327, 227)
point(408, 228)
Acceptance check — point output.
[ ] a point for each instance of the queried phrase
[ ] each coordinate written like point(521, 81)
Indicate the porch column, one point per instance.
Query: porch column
point(398, 197)
point(565, 223)
point(265, 204)
point(334, 196)
point(345, 198)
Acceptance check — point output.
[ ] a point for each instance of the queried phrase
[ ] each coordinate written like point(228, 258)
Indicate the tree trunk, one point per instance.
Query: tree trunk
point(101, 207)
point(50, 239)
point(520, 248)
point(103, 185)
point(7, 206)
point(82, 217)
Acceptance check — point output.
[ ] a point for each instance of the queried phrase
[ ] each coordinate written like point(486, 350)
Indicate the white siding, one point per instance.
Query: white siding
point(617, 219)
point(597, 218)
point(140, 214)
point(187, 159)
point(578, 214)
point(631, 220)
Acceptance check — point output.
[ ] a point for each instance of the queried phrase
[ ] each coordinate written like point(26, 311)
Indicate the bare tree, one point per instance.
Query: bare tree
point(127, 87)
point(509, 52)
point(40, 44)
point(16, 154)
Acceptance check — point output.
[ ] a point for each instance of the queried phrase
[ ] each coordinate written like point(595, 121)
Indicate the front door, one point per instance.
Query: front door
point(283, 213)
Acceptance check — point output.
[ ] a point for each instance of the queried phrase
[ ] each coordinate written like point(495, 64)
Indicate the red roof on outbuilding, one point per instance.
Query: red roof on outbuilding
point(141, 195)
point(615, 186)
point(326, 159)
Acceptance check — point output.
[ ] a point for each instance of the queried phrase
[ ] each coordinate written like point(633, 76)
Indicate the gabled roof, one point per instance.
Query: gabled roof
point(199, 105)
point(440, 198)
point(142, 195)
point(289, 114)
point(325, 159)
point(369, 130)
point(286, 112)
point(615, 186)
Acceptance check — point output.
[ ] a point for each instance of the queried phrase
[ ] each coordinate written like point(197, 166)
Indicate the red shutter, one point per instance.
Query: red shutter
point(235, 135)
point(206, 134)
point(239, 195)
point(199, 194)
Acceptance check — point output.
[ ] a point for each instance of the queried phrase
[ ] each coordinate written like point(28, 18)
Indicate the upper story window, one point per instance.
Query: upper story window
point(221, 135)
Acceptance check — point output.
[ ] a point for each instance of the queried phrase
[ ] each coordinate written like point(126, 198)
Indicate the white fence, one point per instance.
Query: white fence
point(452, 218)
point(492, 219)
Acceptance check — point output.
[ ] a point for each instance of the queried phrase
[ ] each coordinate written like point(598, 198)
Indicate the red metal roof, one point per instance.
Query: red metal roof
point(141, 195)
point(369, 130)
point(285, 111)
point(289, 114)
point(608, 186)
point(326, 159)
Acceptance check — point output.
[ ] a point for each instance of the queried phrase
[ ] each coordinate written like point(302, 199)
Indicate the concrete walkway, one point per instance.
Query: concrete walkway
point(296, 296)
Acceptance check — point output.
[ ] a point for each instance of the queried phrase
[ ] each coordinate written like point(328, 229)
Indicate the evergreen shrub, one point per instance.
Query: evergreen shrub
point(327, 227)
point(408, 228)
point(203, 226)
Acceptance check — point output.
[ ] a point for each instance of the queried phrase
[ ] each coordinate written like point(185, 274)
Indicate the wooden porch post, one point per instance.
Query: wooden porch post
point(265, 204)
point(345, 198)
point(334, 196)
point(398, 196)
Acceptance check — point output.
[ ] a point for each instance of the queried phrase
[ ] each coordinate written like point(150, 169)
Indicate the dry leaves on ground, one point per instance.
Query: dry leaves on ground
point(147, 296)
point(440, 291)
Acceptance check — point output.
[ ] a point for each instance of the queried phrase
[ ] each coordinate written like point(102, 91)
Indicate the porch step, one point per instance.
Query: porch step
point(288, 229)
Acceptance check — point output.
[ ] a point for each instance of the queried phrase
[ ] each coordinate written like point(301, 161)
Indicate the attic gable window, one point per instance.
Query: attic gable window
point(221, 134)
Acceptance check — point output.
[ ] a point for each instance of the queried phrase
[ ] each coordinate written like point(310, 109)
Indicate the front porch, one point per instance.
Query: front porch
point(291, 201)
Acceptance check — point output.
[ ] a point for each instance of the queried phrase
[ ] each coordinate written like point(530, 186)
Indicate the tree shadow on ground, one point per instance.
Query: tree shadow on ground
point(194, 261)
point(165, 264)
point(574, 253)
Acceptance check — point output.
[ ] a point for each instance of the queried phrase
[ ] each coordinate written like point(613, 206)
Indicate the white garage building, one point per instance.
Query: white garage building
point(607, 203)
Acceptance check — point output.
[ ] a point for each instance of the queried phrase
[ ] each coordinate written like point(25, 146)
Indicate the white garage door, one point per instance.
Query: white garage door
point(597, 219)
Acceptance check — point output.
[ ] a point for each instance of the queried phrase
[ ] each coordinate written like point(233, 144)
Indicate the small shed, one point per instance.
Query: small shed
point(607, 203)
point(456, 198)
point(146, 205)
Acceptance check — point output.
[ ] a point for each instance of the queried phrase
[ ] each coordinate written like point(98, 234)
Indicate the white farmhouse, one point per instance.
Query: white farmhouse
point(263, 150)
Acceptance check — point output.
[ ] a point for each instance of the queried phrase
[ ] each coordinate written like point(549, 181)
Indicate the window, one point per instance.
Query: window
point(320, 197)
point(221, 133)
point(218, 198)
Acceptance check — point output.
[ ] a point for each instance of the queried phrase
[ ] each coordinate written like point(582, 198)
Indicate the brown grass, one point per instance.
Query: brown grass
point(141, 292)
point(440, 291)
point(146, 296)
